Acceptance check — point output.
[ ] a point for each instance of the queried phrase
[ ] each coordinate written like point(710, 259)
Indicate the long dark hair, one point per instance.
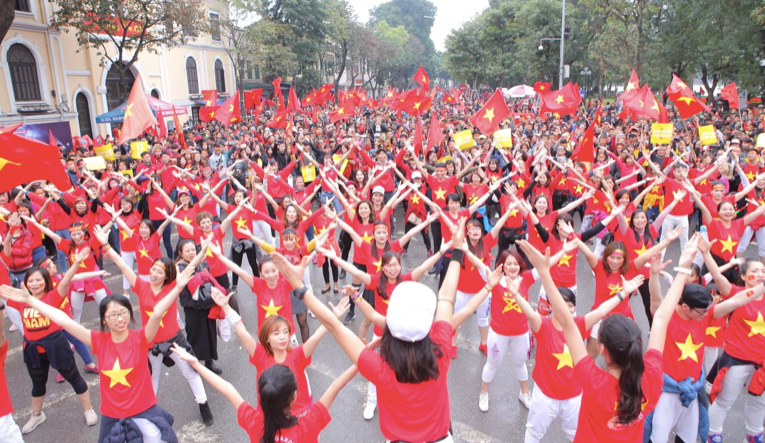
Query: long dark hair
point(609, 251)
point(276, 389)
point(44, 274)
point(119, 299)
point(382, 285)
point(648, 239)
point(386, 248)
point(624, 342)
point(372, 214)
point(477, 250)
point(561, 217)
point(412, 362)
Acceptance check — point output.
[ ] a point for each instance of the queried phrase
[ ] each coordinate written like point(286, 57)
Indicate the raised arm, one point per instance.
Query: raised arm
point(431, 261)
point(103, 237)
point(152, 326)
point(445, 302)
point(50, 234)
point(475, 301)
point(221, 385)
point(330, 254)
point(247, 278)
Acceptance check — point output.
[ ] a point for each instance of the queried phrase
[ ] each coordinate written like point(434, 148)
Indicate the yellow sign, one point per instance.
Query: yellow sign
point(464, 139)
point(707, 135)
point(106, 151)
point(139, 148)
point(661, 133)
point(504, 137)
point(95, 163)
point(761, 141)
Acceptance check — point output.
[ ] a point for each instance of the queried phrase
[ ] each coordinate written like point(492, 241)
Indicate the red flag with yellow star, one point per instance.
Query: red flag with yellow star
point(343, 112)
point(207, 114)
point(390, 95)
point(585, 149)
point(229, 110)
point(24, 160)
point(487, 118)
point(279, 121)
point(684, 99)
point(416, 104)
point(294, 103)
point(210, 96)
point(633, 86)
point(563, 101)
point(730, 94)
point(138, 113)
point(421, 77)
point(252, 98)
point(643, 103)
point(435, 134)
point(542, 87)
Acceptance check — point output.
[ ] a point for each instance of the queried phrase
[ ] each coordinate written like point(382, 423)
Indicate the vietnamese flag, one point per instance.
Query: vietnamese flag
point(730, 94)
point(416, 104)
point(252, 98)
point(207, 114)
point(138, 114)
point(390, 95)
point(23, 160)
point(294, 103)
point(585, 149)
point(435, 135)
point(449, 99)
point(563, 101)
point(542, 87)
point(210, 96)
point(279, 121)
point(417, 141)
point(643, 103)
point(421, 77)
point(324, 92)
point(487, 118)
point(179, 131)
point(229, 110)
point(343, 112)
point(633, 86)
point(684, 99)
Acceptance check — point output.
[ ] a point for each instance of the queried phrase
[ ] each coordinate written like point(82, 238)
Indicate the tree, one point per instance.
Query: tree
point(238, 44)
point(118, 29)
point(465, 57)
point(342, 31)
point(414, 16)
point(7, 16)
point(271, 52)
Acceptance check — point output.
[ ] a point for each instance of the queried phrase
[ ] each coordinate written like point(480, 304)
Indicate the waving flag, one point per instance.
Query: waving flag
point(684, 99)
point(421, 77)
point(730, 94)
point(138, 114)
point(487, 118)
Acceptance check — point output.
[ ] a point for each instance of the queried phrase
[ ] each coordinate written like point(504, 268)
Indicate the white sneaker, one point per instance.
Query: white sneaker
point(33, 423)
point(311, 313)
point(525, 399)
point(91, 418)
point(483, 402)
point(708, 387)
point(369, 409)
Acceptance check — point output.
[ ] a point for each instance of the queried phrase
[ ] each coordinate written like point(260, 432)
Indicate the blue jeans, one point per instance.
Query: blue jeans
point(38, 253)
point(331, 196)
point(63, 264)
point(165, 237)
point(80, 347)
point(114, 238)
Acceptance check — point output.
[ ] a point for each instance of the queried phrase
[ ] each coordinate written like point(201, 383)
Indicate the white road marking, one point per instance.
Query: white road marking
point(197, 432)
point(52, 399)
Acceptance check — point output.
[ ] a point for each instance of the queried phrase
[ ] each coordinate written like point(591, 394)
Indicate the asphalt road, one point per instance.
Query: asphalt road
point(505, 421)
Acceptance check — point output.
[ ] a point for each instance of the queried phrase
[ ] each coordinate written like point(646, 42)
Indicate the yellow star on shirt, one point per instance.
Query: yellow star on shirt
point(510, 304)
point(489, 114)
point(564, 358)
point(209, 253)
point(124, 234)
point(614, 289)
point(750, 176)
point(415, 199)
point(186, 220)
point(703, 182)
point(758, 326)
point(271, 309)
point(712, 330)
point(366, 237)
point(82, 264)
point(578, 189)
point(144, 253)
point(241, 223)
point(564, 260)
point(689, 349)
point(441, 193)
point(378, 265)
point(521, 183)
point(513, 213)
point(117, 375)
point(161, 322)
point(562, 181)
point(728, 244)
point(640, 251)
point(676, 195)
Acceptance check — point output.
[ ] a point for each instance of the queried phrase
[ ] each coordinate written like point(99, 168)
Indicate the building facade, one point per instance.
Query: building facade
point(45, 76)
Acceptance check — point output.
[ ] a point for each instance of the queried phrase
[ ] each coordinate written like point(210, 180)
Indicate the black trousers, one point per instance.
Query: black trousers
point(252, 259)
point(425, 236)
point(39, 377)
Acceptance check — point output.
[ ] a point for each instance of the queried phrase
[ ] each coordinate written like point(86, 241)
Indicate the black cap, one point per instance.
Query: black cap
point(696, 296)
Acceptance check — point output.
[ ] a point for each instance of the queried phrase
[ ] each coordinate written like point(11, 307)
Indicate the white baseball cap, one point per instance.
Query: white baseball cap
point(410, 311)
point(416, 174)
point(378, 189)
point(735, 141)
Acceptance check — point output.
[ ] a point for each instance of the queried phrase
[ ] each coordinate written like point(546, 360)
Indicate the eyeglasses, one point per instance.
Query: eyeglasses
point(123, 314)
point(701, 313)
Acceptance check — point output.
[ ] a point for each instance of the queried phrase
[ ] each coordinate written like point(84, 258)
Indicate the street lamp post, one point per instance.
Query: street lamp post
point(562, 40)
point(586, 73)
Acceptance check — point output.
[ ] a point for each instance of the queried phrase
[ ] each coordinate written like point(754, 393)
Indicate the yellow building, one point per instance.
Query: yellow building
point(45, 79)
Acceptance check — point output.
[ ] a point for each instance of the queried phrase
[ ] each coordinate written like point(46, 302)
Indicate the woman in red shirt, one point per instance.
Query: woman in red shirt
point(146, 243)
point(128, 219)
point(616, 400)
point(45, 346)
point(126, 391)
point(381, 286)
point(162, 275)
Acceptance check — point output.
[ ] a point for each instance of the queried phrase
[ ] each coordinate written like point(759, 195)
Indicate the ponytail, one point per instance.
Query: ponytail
point(276, 388)
point(623, 340)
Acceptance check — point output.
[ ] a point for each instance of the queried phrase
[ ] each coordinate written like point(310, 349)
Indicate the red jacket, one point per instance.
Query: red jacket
point(20, 256)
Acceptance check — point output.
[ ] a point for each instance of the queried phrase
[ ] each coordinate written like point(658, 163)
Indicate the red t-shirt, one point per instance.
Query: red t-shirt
point(515, 220)
point(684, 346)
point(374, 266)
point(470, 281)
point(564, 273)
point(506, 316)
point(685, 206)
point(474, 192)
point(306, 431)
point(441, 189)
point(147, 299)
point(188, 216)
point(125, 386)
point(274, 301)
point(726, 245)
point(412, 412)
point(636, 248)
point(365, 231)
point(217, 267)
point(127, 243)
point(5, 399)
point(547, 221)
point(606, 286)
point(87, 265)
point(712, 206)
point(554, 369)
point(597, 416)
point(297, 362)
point(243, 220)
point(36, 325)
point(381, 304)
point(146, 252)
point(716, 332)
point(446, 233)
point(746, 332)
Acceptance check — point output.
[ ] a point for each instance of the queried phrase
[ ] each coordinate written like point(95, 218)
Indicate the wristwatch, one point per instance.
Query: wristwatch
point(299, 293)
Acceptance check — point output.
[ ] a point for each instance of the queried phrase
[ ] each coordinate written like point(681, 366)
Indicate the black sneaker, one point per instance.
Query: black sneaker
point(207, 417)
point(210, 364)
point(342, 274)
point(233, 289)
point(349, 317)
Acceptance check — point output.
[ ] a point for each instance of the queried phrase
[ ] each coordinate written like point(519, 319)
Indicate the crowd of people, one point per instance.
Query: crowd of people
point(492, 220)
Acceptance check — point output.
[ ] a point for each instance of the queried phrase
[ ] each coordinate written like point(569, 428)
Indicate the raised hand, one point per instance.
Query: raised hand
point(12, 294)
point(689, 252)
point(493, 278)
point(183, 354)
point(675, 233)
point(220, 298)
point(656, 264)
point(341, 308)
point(293, 274)
point(538, 261)
point(102, 235)
point(631, 286)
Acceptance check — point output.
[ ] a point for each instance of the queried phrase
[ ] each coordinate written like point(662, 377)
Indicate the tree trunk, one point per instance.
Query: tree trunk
point(344, 59)
point(6, 16)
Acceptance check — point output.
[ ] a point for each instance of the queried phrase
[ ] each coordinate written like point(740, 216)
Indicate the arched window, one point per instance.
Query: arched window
point(154, 93)
point(191, 76)
point(21, 62)
point(83, 114)
point(117, 92)
point(220, 76)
